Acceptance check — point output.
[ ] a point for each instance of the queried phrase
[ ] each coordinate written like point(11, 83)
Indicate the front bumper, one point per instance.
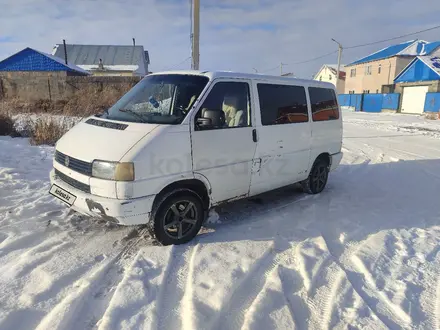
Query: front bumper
point(125, 212)
point(336, 160)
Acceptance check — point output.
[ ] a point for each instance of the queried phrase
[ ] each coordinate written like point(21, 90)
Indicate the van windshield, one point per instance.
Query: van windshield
point(158, 99)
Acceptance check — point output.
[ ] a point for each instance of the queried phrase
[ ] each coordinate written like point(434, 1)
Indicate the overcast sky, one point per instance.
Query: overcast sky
point(236, 35)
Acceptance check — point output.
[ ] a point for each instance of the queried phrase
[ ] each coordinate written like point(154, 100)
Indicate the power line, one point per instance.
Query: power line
point(271, 69)
point(316, 58)
point(391, 39)
point(178, 64)
point(301, 62)
point(358, 46)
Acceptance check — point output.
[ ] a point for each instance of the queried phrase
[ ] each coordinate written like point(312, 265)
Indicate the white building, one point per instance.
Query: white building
point(328, 73)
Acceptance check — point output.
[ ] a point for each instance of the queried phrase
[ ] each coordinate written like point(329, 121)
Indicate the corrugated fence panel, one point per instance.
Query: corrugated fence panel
point(350, 100)
point(432, 102)
point(372, 103)
point(391, 101)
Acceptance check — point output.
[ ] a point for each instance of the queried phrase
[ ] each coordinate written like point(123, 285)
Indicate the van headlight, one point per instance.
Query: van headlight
point(113, 170)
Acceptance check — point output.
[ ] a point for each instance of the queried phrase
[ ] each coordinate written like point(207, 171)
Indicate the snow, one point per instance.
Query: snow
point(120, 67)
point(363, 254)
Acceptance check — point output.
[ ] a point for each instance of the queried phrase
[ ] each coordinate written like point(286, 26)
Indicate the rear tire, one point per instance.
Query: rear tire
point(178, 218)
point(317, 179)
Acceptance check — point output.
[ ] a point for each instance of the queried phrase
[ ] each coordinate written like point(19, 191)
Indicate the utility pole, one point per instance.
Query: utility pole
point(339, 63)
point(196, 36)
point(281, 68)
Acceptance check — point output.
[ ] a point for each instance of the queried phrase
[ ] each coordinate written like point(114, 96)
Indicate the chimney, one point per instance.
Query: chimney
point(65, 51)
point(134, 42)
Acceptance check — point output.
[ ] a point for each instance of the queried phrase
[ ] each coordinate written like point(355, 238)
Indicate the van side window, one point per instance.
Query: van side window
point(228, 104)
point(324, 104)
point(282, 104)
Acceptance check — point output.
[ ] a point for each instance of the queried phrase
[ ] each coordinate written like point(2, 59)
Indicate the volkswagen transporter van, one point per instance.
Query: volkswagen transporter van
point(179, 143)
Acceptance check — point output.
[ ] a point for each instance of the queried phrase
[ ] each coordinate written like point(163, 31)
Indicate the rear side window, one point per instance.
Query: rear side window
point(324, 104)
point(282, 104)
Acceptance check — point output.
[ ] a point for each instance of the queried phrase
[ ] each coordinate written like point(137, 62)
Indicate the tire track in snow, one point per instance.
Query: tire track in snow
point(11, 244)
point(33, 258)
point(393, 314)
point(173, 299)
point(187, 300)
point(437, 305)
point(395, 310)
point(79, 307)
point(232, 314)
point(302, 269)
point(329, 303)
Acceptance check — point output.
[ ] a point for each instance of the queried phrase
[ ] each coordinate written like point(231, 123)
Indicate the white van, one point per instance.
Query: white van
point(181, 142)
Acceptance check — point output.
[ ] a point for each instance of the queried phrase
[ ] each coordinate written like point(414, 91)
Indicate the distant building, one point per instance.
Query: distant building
point(106, 60)
point(418, 82)
point(31, 75)
point(328, 73)
point(33, 61)
point(370, 73)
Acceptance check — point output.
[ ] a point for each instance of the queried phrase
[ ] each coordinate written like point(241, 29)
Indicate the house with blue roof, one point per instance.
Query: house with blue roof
point(419, 84)
point(31, 60)
point(375, 73)
point(32, 75)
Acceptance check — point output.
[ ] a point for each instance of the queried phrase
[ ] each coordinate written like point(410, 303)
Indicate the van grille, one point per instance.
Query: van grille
point(74, 164)
point(72, 182)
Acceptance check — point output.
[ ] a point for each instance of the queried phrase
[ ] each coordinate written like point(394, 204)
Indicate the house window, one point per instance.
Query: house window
point(330, 77)
point(368, 70)
point(379, 69)
point(366, 91)
point(320, 78)
point(353, 73)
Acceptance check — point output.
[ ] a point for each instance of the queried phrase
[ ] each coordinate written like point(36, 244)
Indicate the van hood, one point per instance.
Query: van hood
point(96, 138)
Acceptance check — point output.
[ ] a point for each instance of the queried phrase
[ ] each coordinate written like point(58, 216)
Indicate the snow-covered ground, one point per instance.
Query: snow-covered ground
point(361, 255)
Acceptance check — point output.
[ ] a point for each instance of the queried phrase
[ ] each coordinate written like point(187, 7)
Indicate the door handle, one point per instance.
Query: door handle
point(254, 135)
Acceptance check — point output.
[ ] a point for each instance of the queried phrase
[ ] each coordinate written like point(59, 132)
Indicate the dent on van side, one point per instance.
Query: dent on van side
point(179, 143)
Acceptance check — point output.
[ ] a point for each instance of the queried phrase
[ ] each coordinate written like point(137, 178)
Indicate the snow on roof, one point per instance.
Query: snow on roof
point(432, 61)
point(95, 67)
point(408, 48)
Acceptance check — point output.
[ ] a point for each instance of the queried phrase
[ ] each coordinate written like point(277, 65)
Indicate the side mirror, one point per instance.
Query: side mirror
point(212, 118)
point(204, 123)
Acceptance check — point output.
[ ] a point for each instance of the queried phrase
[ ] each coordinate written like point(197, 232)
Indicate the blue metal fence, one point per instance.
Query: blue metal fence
point(391, 101)
point(351, 100)
point(370, 102)
point(432, 102)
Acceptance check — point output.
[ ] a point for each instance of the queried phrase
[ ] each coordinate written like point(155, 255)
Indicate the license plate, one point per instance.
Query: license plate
point(62, 194)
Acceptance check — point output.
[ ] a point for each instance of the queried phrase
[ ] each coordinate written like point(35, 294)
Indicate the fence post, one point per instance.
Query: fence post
point(48, 85)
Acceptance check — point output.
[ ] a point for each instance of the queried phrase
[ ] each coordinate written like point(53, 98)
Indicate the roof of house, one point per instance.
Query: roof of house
point(408, 48)
point(334, 69)
point(422, 68)
point(119, 58)
point(30, 59)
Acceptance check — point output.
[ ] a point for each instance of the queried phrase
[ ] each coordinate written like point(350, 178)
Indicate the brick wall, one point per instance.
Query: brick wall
point(434, 86)
point(57, 86)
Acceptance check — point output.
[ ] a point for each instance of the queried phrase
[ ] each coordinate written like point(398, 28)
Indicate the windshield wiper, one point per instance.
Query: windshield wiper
point(134, 113)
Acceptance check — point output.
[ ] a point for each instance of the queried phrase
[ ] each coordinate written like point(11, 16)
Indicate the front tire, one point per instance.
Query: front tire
point(317, 179)
point(178, 218)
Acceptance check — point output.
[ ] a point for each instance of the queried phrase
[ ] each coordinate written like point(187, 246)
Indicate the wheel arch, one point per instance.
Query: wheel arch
point(196, 185)
point(325, 156)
